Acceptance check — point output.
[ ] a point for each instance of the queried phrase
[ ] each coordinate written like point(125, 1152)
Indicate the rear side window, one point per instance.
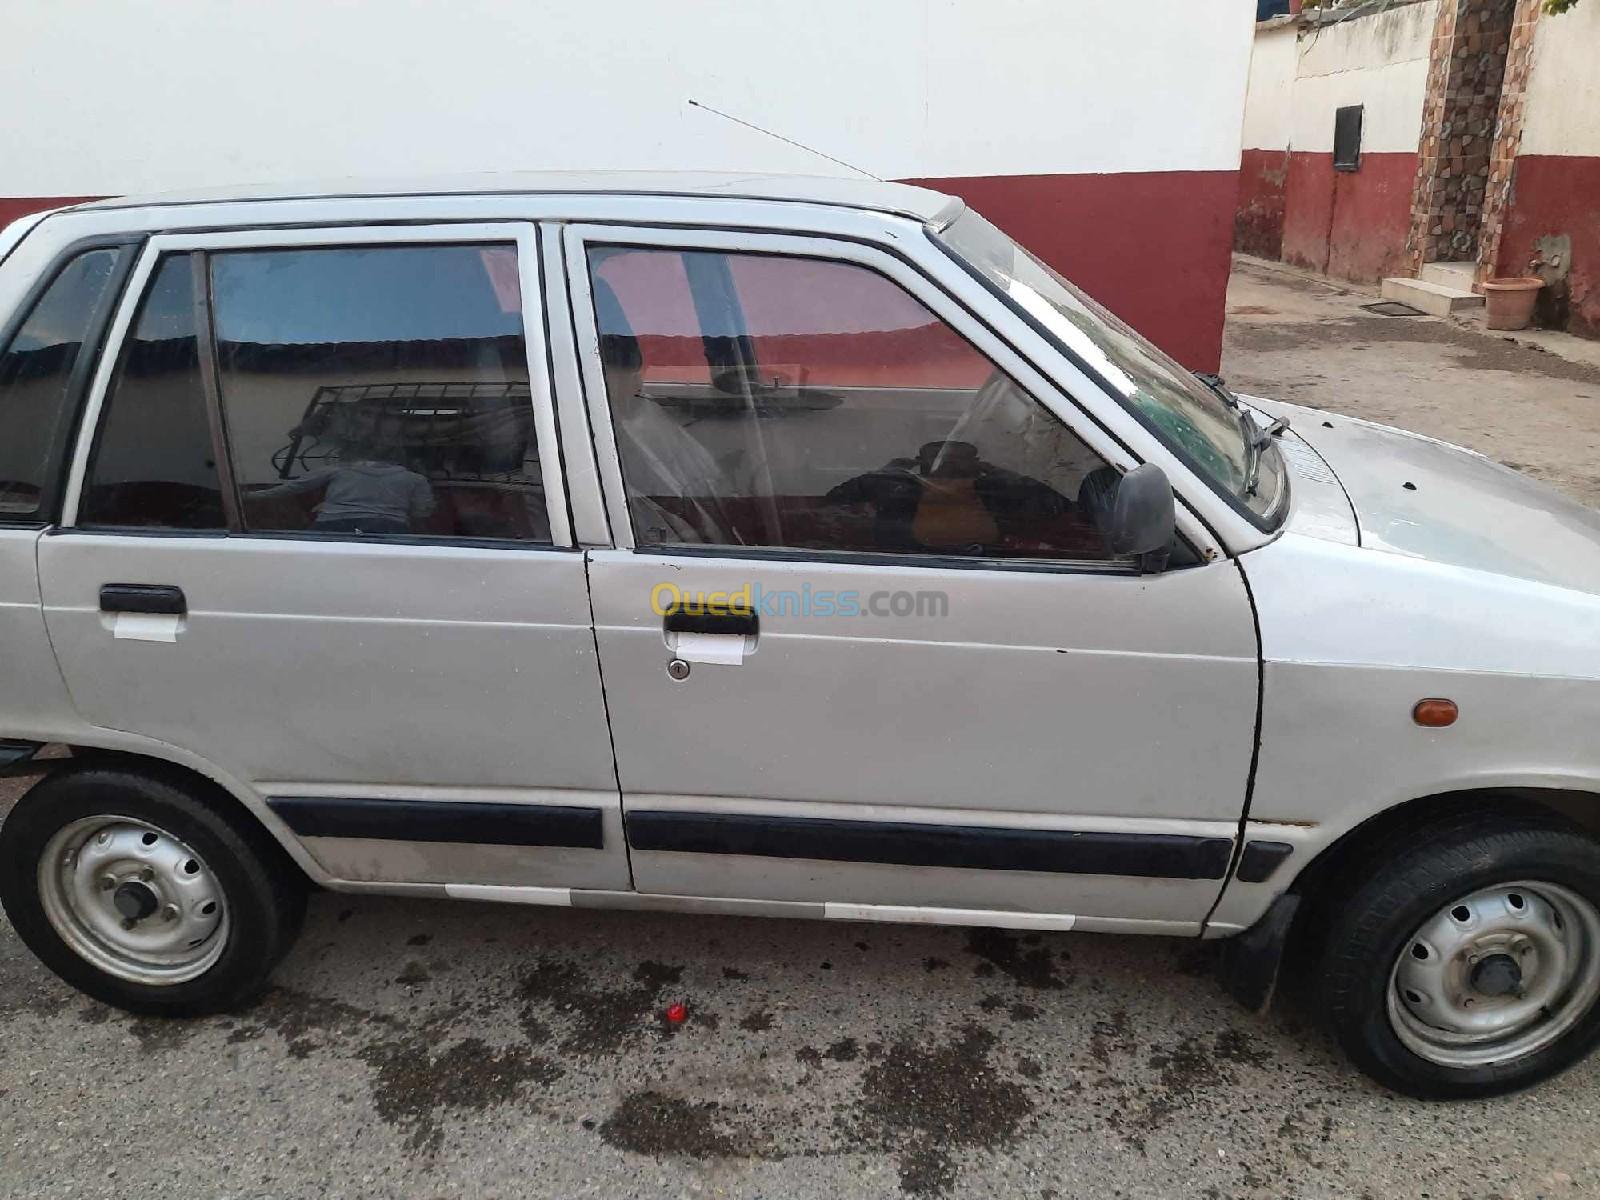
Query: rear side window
point(153, 464)
point(360, 391)
point(379, 391)
point(42, 373)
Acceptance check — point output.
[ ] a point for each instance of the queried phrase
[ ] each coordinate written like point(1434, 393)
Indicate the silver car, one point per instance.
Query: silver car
point(768, 546)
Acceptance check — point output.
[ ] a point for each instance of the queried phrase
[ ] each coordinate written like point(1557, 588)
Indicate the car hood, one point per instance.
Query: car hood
point(1427, 499)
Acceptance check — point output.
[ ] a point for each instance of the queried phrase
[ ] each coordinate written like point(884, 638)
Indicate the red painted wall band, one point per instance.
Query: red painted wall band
point(12, 207)
point(1349, 224)
point(1555, 196)
point(1154, 247)
point(1263, 198)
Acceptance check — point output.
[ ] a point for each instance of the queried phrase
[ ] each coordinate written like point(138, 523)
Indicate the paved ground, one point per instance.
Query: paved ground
point(1530, 400)
point(440, 1050)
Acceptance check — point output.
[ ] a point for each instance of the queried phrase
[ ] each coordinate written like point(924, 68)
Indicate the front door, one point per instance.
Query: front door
point(317, 537)
point(863, 641)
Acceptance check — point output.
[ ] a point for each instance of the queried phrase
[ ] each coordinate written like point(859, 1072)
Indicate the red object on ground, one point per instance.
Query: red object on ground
point(677, 1013)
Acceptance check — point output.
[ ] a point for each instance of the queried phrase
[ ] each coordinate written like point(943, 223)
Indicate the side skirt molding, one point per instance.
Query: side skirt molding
point(907, 844)
point(899, 914)
point(462, 821)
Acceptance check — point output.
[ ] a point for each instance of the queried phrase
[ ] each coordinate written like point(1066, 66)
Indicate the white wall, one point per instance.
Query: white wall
point(1380, 62)
point(136, 95)
point(1267, 117)
point(1562, 113)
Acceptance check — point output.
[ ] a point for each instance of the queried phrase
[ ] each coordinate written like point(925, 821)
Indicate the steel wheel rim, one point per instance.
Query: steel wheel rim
point(133, 900)
point(1496, 975)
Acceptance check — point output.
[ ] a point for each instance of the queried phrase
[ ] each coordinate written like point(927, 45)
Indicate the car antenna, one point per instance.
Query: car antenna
point(799, 145)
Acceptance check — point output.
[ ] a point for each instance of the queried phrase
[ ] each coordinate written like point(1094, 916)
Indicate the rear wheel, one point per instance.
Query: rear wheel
point(1468, 964)
point(144, 891)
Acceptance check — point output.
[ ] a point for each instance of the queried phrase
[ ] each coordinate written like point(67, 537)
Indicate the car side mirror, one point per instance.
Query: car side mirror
point(1144, 518)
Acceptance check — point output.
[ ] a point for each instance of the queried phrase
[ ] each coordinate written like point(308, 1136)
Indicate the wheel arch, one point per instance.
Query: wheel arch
point(1292, 926)
point(1322, 874)
point(208, 786)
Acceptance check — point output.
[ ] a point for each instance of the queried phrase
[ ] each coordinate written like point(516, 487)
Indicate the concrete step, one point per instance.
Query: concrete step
point(1432, 298)
point(1456, 275)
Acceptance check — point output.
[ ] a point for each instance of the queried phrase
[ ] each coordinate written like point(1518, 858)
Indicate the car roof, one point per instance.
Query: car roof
point(871, 194)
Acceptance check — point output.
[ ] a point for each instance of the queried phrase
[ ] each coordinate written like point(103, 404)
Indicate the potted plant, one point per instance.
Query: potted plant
point(1510, 301)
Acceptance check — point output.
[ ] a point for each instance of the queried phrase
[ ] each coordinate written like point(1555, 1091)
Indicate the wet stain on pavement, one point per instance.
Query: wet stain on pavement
point(415, 1089)
point(842, 1051)
point(1031, 967)
point(925, 1102)
point(602, 1019)
point(1186, 1070)
point(654, 1123)
point(157, 1035)
point(758, 1021)
point(305, 1022)
point(1112, 1034)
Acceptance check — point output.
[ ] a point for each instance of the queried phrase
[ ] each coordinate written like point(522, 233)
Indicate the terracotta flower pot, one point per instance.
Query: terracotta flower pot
point(1511, 301)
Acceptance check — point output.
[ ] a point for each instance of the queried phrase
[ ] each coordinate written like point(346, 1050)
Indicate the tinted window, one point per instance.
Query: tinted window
point(379, 390)
point(153, 463)
point(1200, 425)
point(37, 404)
point(788, 402)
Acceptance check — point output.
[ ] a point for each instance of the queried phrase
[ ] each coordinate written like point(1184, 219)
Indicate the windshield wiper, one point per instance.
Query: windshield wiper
point(1218, 385)
point(1258, 439)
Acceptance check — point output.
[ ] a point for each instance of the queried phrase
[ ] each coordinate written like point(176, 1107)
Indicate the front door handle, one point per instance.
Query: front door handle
point(737, 622)
point(154, 598)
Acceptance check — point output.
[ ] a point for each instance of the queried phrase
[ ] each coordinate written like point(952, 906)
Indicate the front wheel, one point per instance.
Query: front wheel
point(1469, 964)
point(144, 892)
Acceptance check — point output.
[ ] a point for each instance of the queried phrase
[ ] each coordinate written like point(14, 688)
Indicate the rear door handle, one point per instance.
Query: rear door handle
point(737, 622)
point(154, 598)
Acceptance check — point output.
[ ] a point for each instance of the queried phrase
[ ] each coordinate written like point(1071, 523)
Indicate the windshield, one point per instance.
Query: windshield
point(1197, 422)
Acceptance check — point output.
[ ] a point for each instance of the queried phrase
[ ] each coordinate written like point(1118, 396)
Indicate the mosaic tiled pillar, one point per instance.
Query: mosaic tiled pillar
point(1467, 65)
point(1507, 135)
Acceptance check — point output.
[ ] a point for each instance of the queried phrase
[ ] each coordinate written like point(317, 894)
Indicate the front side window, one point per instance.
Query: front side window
point(1200, 424)
point(37, 375)
point(786, 402)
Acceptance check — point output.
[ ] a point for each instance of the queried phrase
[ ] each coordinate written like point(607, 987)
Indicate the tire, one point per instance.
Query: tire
point(82, 843)
point(1452, 895)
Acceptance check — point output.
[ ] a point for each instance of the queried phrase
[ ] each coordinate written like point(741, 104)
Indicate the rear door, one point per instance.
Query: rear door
point(317, 535)
point(47, 354)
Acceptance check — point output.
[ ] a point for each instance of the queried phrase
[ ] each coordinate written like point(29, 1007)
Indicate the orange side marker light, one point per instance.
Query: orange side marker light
point(1435, 713)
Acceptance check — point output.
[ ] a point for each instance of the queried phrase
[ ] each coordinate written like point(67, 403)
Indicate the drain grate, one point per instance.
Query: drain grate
point(1393, 308)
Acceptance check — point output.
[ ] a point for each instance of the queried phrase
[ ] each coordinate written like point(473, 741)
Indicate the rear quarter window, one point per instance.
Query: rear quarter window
point(44, 369)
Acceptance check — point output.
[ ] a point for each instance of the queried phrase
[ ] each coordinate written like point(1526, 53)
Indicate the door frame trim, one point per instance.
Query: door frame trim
point(523, 234)
point(895, 264)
